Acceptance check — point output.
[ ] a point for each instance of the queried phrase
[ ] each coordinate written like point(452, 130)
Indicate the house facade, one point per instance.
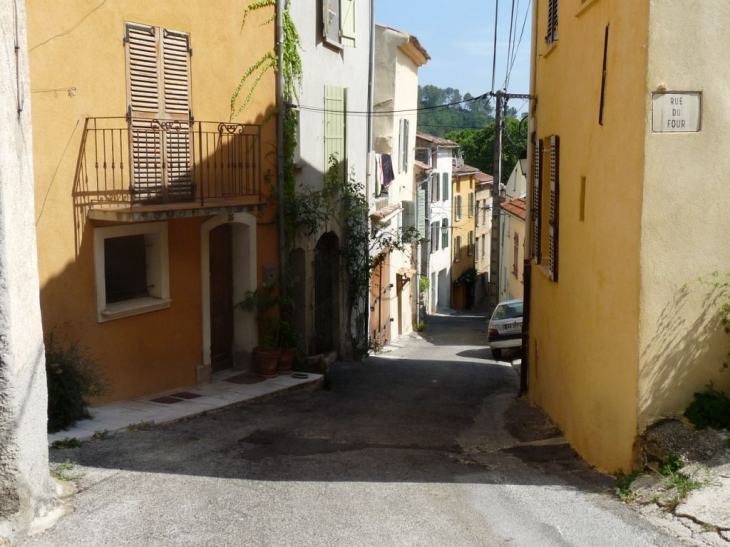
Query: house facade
point(463, 200)
point(151, 188)
point(338, 38)
point(439, 154)
point(392, 188)
point(483, 245)
point(515, 188)
point(514, 251)
point(625, 318)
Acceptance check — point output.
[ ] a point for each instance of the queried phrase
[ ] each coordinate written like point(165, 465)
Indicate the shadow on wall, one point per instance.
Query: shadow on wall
point(686, 352)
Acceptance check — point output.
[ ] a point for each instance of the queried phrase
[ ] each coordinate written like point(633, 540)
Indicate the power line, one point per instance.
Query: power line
point(509, 43)
point(384, 112)
point(494, 49)
point(519, 42)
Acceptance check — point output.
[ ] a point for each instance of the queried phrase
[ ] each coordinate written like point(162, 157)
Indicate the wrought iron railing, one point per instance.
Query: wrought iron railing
point(144, 161)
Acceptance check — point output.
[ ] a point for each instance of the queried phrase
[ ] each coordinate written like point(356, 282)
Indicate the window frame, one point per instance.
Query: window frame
point(445, 234)
point(158, 271)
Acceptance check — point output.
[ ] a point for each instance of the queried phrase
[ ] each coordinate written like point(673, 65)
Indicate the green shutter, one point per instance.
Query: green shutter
point(347, 17)
point(445, 184)
point(334, 128)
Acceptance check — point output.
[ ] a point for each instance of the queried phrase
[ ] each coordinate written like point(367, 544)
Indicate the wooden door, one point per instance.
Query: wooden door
point(221, 297)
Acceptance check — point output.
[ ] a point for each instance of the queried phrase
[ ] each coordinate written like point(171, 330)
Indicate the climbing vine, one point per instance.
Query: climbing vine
point(342, 200)
point(366, 241)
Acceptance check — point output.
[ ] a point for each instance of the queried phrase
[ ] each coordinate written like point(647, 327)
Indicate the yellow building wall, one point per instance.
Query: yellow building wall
point(462, 185)
point(77, 61)
point(685, 222)
point(584, 328)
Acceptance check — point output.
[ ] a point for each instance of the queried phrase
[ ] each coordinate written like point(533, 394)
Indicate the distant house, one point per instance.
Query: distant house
point(515, 187)
point(152, 203)
point(483, 244)
point(464, 211)
point(514, 252)
point(393, 188)
point(439, 154)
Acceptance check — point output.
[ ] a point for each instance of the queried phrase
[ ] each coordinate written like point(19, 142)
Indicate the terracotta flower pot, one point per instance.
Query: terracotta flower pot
point(286, 360)
point(265, 361)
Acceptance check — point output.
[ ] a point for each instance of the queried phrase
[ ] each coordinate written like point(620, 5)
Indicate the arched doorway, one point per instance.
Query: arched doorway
point(326, 293)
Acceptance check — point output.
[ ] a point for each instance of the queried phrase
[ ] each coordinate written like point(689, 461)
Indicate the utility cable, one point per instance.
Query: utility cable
point(494, 49)
point(519, 42)
point(384, 112)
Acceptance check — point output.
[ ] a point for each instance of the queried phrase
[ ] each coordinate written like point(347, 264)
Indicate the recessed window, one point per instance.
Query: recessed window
point(132, 271)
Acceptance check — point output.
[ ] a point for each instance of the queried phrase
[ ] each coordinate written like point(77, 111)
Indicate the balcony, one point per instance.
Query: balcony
point(142, 169)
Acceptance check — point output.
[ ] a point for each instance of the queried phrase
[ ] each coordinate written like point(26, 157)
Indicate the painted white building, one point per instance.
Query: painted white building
point(440, 153)
point(335, 54)
point(392, 188)
point(516, 187)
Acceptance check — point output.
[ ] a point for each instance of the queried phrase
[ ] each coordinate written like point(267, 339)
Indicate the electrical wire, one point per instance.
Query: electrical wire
point(510, 43)
point(519, 42)
point(494, 50)
point(384, 112)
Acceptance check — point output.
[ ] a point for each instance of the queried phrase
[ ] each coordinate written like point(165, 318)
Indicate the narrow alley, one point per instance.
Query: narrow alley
point(424, 444)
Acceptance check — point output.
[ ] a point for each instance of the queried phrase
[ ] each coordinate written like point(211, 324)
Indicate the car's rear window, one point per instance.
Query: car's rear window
point(508, 311)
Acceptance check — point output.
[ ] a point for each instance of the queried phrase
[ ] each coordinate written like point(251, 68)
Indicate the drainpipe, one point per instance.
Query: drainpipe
point(371, 78)
point(527, 263)
point(280, 6)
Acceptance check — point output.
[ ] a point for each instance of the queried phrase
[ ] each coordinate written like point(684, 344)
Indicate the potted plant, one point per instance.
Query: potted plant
point(265, 356)
point(288, 341)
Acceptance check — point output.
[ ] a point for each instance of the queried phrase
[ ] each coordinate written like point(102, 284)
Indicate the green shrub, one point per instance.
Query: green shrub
point(72, 376)
point(423, 284)
point(710, 408)
point(421, 326)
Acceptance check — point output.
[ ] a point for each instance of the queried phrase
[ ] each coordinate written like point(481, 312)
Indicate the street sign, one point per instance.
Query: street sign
point(676, 112)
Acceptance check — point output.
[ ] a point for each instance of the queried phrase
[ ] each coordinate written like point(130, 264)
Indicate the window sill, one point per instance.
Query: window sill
point(553, 45)
point(543, 268)
point(585, 7)
point(331, 43)
point(136, 306)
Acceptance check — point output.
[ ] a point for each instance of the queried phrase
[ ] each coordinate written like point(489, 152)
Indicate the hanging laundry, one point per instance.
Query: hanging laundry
point(388, 174)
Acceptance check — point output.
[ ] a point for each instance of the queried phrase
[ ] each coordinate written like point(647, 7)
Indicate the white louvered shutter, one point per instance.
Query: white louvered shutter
point(347, 17)
point(554, 205)
point(335, 99)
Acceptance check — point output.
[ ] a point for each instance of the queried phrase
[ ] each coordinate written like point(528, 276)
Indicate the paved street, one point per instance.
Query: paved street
point(422, 445)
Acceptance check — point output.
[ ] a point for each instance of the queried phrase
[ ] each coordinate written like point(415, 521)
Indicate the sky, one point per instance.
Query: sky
point(459, 37)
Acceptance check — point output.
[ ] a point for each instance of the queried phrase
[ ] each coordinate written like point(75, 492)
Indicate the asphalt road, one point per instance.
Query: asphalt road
point(422, 445)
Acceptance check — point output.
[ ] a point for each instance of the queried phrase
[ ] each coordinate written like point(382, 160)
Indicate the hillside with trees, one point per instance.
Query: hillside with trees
point(470, 122)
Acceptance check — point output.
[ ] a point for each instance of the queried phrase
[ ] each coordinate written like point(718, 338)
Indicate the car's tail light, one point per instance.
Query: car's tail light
point(493, 332)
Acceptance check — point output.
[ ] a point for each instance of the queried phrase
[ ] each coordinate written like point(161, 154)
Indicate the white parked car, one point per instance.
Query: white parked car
point(505, 327)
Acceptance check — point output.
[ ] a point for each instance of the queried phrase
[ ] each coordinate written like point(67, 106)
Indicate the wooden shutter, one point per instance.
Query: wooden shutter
point(536, 200)
point(158, 76)
point(516, 254)
point(176, 88)
point(554, 205)
point(347, 16)
point(401, 130)
point(552, 23)
point(471, 205)
point(143, 67)
point(335, 99)
point(404, 145)
point(445, 184)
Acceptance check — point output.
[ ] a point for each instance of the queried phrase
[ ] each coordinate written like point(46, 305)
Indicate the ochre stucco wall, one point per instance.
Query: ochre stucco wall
point(685, 222)
point(462, 185)
point(584, 328)
point(78, 47)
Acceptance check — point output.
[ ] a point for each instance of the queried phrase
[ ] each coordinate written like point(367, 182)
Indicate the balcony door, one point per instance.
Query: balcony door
point(158, 81)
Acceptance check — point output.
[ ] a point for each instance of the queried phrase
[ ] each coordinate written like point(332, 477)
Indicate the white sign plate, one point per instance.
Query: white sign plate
point(676, 112)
